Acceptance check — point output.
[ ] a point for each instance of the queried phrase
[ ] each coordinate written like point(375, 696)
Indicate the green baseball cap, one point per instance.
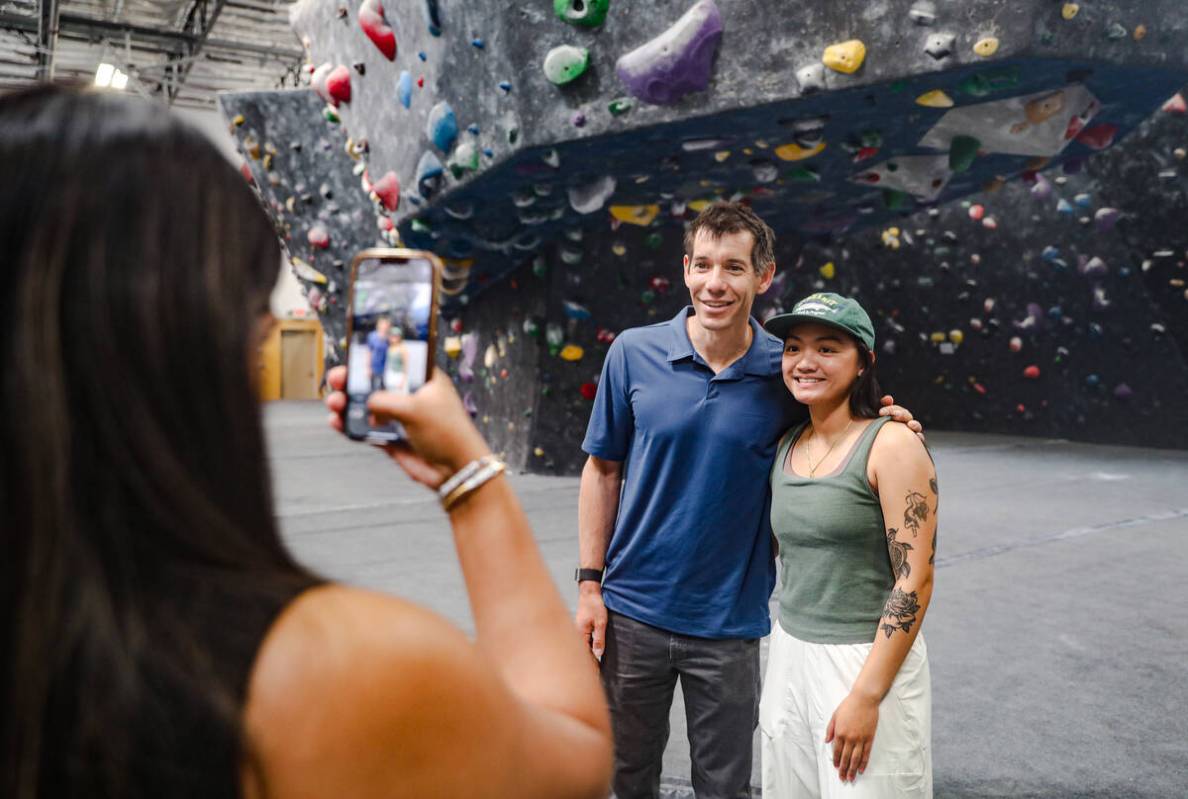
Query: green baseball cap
point(826, 308)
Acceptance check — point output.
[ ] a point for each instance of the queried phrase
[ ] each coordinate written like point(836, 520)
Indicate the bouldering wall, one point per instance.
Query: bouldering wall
point(932, 158)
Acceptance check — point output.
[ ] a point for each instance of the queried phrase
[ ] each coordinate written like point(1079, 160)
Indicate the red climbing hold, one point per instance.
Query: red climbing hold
point(1031, 372)
point(387, 189)
point(589, 390)
point(421, 82)
point(319, 237)
point(246, 171)
point(1098, 137)
point(371, 20)
point(978, 387)
point(1176, 105)
point(338, 85)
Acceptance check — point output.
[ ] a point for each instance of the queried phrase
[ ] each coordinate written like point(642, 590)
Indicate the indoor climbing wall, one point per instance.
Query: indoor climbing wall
point(963, 168)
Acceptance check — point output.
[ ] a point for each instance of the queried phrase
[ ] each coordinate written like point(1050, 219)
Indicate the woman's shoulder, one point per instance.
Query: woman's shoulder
point(896, 441)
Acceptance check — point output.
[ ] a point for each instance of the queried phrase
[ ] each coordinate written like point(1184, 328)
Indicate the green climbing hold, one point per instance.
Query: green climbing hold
point(985, 83)
point(540, 267)
point(648, 297)
point(653, 241)
point(872, 138)
point(804, 174)
point(566, 63)
point(465, 158)
point(962, 152)
point(896, 200)
point(620, 106)
point(420, 226)
point(897, 86)
point(587, 13)
point(331, 115)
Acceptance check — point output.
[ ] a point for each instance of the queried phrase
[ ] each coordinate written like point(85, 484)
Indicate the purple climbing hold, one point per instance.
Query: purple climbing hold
point(677, 61)
point(1094, 267)
point(1123, 391)
point(1106, 218)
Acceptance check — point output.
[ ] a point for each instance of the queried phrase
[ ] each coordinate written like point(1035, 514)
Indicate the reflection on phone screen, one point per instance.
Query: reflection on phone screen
point(389, 347)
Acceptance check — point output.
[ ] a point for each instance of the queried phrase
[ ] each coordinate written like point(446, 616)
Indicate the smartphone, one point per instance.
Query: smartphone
point(391, 332)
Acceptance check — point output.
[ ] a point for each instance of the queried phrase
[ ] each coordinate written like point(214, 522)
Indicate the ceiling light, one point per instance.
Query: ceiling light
point(119, 80)
point(103, 75)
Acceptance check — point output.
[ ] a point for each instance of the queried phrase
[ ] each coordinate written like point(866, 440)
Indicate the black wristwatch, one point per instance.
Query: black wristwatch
point(581, 575)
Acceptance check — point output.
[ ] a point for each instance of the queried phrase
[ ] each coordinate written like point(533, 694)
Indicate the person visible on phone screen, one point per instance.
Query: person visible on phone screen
point(159, 638)
point(396, 364)
point(377, 342)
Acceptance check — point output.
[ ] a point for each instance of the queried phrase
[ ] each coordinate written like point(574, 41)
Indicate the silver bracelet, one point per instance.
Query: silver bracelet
point(492, 469)
point(462, 475)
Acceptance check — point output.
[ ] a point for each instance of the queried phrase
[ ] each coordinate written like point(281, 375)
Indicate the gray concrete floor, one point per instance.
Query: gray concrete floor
point(1058, 631)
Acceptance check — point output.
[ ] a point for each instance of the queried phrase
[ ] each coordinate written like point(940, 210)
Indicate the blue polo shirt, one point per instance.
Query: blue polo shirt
point(691, 550)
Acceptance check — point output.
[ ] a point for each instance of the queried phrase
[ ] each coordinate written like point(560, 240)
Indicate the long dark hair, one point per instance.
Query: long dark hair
point(865, 394)
point(135, 495)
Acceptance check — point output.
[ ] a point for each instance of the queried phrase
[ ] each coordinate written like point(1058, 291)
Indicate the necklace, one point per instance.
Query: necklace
point(808, 455)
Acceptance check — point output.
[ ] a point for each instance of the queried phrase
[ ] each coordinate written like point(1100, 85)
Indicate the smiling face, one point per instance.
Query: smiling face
point(722, 280)
point(820, 363)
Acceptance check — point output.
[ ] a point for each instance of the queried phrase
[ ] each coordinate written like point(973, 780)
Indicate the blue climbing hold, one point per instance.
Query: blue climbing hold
point(478, 42)
point(404, 89)
point(473, 129)
point(1064, 206)
point(421, 55)
point(487, 151)
point(576, 311)
point(429, 173)
point(505, 86)
point(1050, 253)
point(442, 126)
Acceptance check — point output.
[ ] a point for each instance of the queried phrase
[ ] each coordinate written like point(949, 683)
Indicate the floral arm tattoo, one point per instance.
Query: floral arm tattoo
point(903, 607)
point(900, 611)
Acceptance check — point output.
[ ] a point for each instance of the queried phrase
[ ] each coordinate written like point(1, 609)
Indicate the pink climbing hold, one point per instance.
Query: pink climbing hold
point(246, 171)
point(976, 212)
point(1176, 105)
point(338, 85)
point(387, 189)
point(371, 20)
point(319, 237)
point(1031, 372)
point(1098, 137)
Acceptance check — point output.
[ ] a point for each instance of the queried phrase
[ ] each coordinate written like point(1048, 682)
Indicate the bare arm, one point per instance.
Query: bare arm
point(598, 506)
point(906, 481)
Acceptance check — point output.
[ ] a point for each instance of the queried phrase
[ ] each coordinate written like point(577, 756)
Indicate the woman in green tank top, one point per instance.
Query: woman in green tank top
point(846, 702)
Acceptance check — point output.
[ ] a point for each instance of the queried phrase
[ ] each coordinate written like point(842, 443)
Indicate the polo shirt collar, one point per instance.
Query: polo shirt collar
point(762, 359)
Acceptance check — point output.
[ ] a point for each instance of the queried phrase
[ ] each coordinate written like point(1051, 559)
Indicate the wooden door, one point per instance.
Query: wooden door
point(299, 367)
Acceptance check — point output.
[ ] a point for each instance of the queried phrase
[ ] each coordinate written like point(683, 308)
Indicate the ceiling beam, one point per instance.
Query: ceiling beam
point(47, 38)
point(200, 19)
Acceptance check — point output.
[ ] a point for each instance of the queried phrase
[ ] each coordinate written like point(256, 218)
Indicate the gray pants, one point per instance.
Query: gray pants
point(720, 683)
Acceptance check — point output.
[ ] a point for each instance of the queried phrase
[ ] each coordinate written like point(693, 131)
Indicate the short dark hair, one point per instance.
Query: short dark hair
point(865, 394)
point(721, 218)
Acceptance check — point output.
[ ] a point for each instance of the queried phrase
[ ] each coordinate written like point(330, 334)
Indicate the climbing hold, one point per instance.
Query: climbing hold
point(1094, 267)
point(1042, 188)
point(804, 174)
point(587, 13)
point(940, 45)
point(984, 83)
point(505, 86)
point(647, 296)
point(578, 119)
point(986, 46)
point(317, 81)
point(1115, 32)
point(1032, 372)
point(319, 237)
point(552, 158)
point(660, 284)
point(1140, 33)
point(794, 152)
point(572, 352)
point(963, 150)
point(1015, 344)
point(1106, 218)
point(764, 171)
point(619, 106)
point(1063, 206)
point(306, 272)
point(387, 189)
point(1176, 105)
point(565, 63)
point(811, 78)
point(604, 336)
point(957, 337)
point(442, 126)
point(1123, 391)
point(923, 12)
point(641, 215)
point(404, 89)
point(937, 337)
point(619, 249)
point(976, 212)
point(677, 61)
point(371, 20)
point(896, 200)
point(478, 43)
point(1098, 137)
point(576, 311)
point(1069, 10)
point(338, 85)
point(238, 120)
point(846, 57)
point(589, 391)
point(429, 173)
point(465, 158)
point(828, 271)
point(935, 99)
point(432, 16)
point(592, 196)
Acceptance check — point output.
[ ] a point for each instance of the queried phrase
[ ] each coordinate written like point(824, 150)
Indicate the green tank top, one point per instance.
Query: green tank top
point(835, 570)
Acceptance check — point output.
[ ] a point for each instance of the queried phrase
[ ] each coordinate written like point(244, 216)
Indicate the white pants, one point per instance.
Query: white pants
point(804, 684)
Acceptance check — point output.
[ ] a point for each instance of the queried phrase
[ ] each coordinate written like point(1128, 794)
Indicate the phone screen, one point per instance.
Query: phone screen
point(392, 309)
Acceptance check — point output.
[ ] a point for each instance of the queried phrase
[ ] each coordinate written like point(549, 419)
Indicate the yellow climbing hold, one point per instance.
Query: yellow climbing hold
point(937, 337)
point(697, 206)
point(794, 152)
point(572, 352)
point(1070, 10)
point(986, 46)
point(956, 336)
point(452, 346)
point(1140, 33)
point(538, 452)
point(721, 155)
point(619, 249)
point(239, 120)
point(828, 271)
point(641, 215)
point(935, 99)
point(845, 57)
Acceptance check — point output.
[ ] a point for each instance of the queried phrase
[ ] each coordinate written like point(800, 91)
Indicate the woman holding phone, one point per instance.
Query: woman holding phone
point(846, 703)
point(160, 640)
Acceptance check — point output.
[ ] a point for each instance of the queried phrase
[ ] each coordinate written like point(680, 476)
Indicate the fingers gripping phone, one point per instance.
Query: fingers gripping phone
point(391, 333)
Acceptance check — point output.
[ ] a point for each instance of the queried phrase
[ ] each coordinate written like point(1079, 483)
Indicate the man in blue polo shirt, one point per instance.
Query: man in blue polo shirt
point(676, 562)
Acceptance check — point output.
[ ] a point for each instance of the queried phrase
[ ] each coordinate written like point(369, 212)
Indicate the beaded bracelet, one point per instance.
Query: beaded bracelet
point(493, 468)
